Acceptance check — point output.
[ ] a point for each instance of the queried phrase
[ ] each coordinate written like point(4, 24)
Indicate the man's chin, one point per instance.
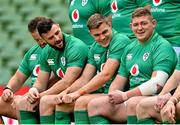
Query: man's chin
point(57, 48)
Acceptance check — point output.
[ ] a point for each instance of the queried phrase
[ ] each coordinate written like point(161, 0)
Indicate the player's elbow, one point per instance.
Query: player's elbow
point(106, 76)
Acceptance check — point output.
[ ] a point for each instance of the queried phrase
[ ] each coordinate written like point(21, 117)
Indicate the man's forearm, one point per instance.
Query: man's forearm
point(57, 88)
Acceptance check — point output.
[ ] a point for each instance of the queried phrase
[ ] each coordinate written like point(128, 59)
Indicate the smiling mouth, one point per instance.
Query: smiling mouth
point(140, 33)
point(59, 43)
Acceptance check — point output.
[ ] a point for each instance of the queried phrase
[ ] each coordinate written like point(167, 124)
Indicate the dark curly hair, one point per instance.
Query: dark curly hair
point(44, 26)
point(32, 25)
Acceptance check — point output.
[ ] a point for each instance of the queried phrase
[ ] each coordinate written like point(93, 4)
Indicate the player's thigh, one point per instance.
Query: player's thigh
point(82, 102)
point(148, 102)
point(147, 105)
point(7, 109)
point(118, 113)
point(101, 106)
point(132, 103)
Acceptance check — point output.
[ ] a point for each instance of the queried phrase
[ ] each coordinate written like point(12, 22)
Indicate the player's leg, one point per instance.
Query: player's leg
point(100, 111)
point(64, 113)
point(131, 109)
point(7, 109)
point(47, 109)
point(29, 113)
point(80, 109)
point(145, 111)
point(178, 113)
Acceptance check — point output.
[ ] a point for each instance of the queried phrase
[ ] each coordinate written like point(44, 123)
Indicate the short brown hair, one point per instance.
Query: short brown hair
point(96, 20)
point(139, 12)
point(45, 26)
point(33, 23)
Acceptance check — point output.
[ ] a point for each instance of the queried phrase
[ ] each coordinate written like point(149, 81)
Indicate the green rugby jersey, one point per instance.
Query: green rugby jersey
point(79, 13)
point(121, 14)
point(30, 63)
point(178, 64)
point(74, 55)
point(140, 60)
point(98, 55)
point(166, 13)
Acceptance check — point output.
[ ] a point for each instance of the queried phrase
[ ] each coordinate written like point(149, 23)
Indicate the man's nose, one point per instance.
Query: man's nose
point(56, 38)
point(139, 27)
point(102, 37)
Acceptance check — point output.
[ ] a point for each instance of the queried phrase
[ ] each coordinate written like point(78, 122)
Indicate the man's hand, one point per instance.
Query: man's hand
point(58, 98)
point(117, 97)
point(161, 101)
point(7, 95)
point(70, 98)
point(33, 95)
point(21, 103)
point(168, 112)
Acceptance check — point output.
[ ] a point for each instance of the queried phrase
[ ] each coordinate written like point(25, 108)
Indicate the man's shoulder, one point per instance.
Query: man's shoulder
point(74, 43)
point(160, 41)
point(34, 49)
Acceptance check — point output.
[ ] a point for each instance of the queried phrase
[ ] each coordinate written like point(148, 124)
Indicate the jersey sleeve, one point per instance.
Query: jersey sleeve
point(178, 64)
point(122, 68)
point(91, 57)
point(164, 58)
point(24, 66)
point(77, 56)
point(44, 66)
point(117, 49)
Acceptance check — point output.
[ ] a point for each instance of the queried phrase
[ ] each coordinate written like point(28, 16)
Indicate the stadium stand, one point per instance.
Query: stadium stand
point(14, 37)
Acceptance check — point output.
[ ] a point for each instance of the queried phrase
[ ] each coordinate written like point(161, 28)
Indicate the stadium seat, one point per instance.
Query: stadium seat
point(14, 62)
point(15, 39)
point(20, 3)
point(5, 74)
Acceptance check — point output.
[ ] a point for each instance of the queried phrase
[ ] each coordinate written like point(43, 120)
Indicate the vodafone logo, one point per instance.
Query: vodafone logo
point(134, 70)
point(36, 70)
point(60, 73)
point(157, 2)
point(75, 15)
point(114, 6)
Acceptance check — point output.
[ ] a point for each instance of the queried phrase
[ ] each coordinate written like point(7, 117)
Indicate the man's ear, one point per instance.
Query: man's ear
point(154, 23)
point(109, 18)
point(130, 25)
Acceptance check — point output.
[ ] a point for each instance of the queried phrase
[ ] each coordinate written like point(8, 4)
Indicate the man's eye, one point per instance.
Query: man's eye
point(96, 35)
point(57, 33)
point(104, 32)
point(135, 25)
point(143, 23)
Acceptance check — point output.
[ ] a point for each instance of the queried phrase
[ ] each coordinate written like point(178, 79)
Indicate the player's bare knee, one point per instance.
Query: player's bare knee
point(99, 106)
point(141, 109)
point(44, 101)
point(94, 107)
point(82, 102)
point(4, 106)
point(45, 106)
point(131, 104)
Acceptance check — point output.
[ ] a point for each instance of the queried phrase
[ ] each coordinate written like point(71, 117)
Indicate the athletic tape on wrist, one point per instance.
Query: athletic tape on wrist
point(150, 87)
